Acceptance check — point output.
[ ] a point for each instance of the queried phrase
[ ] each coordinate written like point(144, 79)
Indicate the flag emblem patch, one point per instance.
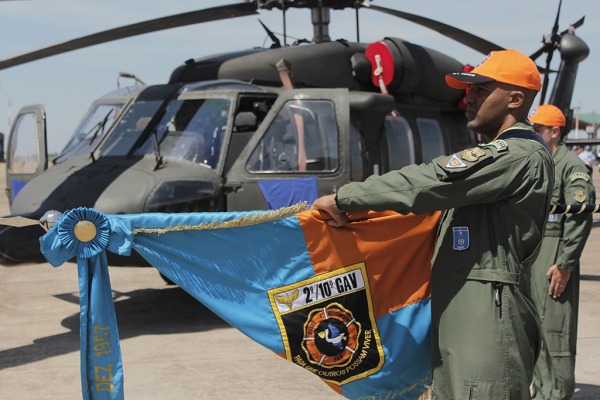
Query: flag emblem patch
point(329, 327)
point(461, 237)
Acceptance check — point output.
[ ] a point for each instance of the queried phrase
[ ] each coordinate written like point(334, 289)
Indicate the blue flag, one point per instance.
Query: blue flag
point(350, 305)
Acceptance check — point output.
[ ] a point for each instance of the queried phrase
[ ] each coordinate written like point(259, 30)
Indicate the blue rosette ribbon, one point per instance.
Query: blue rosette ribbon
point(86, 221)
point(85, 233)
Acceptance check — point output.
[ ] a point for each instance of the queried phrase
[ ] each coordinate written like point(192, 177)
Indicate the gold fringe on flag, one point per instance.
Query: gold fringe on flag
point(244, 220)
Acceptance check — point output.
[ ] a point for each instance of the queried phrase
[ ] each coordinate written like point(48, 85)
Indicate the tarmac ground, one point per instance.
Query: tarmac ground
point(175, 348)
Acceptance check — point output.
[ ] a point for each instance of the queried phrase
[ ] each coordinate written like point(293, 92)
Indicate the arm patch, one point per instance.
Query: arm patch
point(580, 196)
point(463, 161)
point(579, 175)
point(500, 145)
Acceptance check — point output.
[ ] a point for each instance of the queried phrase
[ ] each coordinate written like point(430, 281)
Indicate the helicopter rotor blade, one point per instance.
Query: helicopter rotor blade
point(546, 77)
point(543, 48)
point(468, 39)
point(576, 25)
point(555, 27)
point(154, 25)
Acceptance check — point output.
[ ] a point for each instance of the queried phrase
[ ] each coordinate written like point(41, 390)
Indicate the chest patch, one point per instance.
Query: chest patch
point(460, 235)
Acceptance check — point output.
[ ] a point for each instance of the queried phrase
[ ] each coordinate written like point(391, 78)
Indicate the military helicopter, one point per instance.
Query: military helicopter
point(252, 129)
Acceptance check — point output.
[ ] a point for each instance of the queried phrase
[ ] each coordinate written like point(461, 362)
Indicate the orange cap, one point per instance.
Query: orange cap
point(506, 66)
point(548, 115)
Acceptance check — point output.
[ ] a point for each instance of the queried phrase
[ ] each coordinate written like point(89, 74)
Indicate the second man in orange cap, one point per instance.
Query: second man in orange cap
point(555, 273)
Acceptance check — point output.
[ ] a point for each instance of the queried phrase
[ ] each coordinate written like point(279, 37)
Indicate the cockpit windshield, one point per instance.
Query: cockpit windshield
point(191, 129)
point(90, 131)
point(130, 128)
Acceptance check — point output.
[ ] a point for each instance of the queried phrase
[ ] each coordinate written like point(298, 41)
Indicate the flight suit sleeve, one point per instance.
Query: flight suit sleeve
point(578, 189)
point(483, 174)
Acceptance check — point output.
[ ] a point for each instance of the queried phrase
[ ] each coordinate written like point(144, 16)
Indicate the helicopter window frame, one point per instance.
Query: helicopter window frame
point(317, 117)
point(193, 128)
point(91, 132)
point(24, 155)
point(358, 157)
point(432, 138)
point(399, 141)
point(129, 129)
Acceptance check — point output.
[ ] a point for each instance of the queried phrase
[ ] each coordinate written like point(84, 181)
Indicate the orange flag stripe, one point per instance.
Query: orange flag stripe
point(409, 238)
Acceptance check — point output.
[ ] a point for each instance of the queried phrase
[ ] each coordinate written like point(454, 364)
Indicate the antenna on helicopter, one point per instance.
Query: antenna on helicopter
point(136, 80)
point(284, 23)
point(274, 39)
point(357, 24)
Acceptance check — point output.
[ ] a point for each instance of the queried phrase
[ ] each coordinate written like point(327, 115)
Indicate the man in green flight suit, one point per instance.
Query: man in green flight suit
point(555, 273)
point(485, 333)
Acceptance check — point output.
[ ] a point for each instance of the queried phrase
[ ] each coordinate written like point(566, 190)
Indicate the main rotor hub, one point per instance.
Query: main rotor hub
point(285, 4)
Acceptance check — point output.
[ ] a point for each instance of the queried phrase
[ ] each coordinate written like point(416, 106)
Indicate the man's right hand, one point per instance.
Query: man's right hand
point(328, 205)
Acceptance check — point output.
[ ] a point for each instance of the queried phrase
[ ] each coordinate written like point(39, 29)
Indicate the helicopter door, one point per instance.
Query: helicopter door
point(296, 154)
point(26, 153)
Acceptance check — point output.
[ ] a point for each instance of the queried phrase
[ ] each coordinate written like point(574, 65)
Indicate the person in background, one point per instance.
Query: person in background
point(485, 333)
point(588, 157)
point(555, 273)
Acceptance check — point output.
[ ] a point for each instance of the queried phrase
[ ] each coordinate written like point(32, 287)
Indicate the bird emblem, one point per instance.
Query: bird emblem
point(328, 335)
point(288, 298)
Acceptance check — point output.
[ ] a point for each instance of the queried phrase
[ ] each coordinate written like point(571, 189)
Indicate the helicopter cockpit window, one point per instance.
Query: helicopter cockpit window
point(356, 153)
point(191, 130)
point(130, 128)
point(24, 157)
point(303, 137)
point(400, 144)
point(432, 139)
point(90, 131)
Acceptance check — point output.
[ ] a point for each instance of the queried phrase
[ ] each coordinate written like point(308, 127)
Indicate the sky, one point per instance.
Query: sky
point(68, 83)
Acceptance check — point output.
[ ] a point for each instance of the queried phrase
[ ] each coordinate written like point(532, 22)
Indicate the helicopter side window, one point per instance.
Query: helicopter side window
point(24, 157)
point(399, 138)
point(357, 161)
point(303, 137)
point(432, 139)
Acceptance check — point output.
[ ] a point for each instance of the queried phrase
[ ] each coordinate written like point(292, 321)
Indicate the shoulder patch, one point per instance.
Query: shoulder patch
point(579, 175)
point(455, 162)
point(499, 144)
point(472, 154)
point(580, 196)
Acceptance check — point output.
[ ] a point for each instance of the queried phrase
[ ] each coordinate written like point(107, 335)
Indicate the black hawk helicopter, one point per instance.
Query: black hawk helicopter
point(225, 132)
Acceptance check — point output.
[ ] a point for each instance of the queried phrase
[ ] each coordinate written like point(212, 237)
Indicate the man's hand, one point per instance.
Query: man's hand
point(328, 205)
point(558, 280)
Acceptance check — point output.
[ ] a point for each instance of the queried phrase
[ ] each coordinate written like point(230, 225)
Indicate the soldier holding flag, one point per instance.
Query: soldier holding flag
point(485, 333)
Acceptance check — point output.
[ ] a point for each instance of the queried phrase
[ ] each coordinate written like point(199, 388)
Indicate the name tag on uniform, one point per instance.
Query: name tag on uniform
point(461, 237)
point(552, 218)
